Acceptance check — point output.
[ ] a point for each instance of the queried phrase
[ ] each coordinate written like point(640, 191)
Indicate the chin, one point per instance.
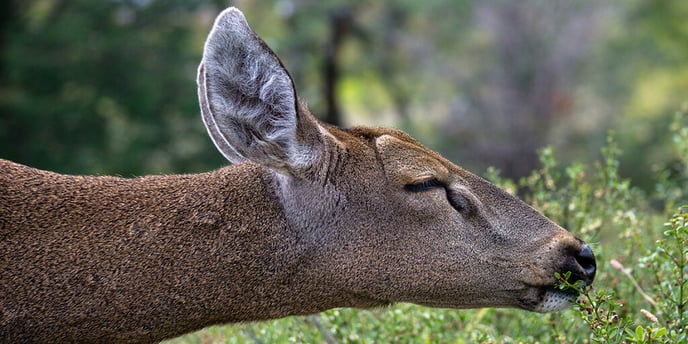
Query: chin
point(549, 299)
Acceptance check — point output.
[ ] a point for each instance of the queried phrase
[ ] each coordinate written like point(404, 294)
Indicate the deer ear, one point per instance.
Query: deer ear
point(248, 102)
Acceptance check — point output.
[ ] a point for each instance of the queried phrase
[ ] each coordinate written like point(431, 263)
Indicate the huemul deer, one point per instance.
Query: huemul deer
point(308, 217)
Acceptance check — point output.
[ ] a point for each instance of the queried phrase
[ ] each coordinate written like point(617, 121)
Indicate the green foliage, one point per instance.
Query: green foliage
point(668, 264)
point(666, 267)
point(600, 310)
point(672, 186)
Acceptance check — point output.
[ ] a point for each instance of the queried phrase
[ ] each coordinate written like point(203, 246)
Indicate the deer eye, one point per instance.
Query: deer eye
point(456, 199)
point(423, 185)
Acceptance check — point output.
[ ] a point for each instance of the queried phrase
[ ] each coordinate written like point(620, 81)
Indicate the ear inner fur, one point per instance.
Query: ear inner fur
point(249, 95)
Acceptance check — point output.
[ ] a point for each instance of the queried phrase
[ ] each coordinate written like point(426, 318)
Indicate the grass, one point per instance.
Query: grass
point(640, 294)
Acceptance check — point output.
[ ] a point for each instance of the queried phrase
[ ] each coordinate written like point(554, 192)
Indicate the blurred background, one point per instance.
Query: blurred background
point(108, 87)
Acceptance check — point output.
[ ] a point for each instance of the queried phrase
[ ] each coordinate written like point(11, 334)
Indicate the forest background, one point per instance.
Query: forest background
point(108, 87)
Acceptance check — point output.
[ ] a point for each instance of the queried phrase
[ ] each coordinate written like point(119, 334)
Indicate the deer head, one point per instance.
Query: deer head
point(387, 219)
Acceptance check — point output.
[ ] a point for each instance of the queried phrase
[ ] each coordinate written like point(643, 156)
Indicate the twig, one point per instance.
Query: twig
point(618, 266)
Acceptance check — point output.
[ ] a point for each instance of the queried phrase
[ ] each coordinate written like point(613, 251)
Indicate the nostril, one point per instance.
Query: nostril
point(586, 259)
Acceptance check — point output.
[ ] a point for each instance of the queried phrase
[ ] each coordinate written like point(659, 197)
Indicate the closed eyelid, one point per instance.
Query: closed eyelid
point(424, 185)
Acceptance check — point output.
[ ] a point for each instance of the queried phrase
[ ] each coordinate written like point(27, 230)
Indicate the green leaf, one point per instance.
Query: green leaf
point(639, 333)
point(660, 332)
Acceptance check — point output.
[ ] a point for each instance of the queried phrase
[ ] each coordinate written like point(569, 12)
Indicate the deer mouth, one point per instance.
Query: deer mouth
point(550, 299)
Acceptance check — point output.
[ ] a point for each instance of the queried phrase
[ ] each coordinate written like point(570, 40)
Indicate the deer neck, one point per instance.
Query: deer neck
point(155, 256)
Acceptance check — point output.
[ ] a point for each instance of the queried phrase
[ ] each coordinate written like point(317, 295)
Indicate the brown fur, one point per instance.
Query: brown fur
point(106, 259)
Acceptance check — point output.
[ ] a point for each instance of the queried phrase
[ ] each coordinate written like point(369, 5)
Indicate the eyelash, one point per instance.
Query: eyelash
point(457, 201)
point(424, 185)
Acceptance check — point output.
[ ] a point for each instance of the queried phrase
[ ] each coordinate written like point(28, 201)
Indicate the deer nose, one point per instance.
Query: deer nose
point(586, 260)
